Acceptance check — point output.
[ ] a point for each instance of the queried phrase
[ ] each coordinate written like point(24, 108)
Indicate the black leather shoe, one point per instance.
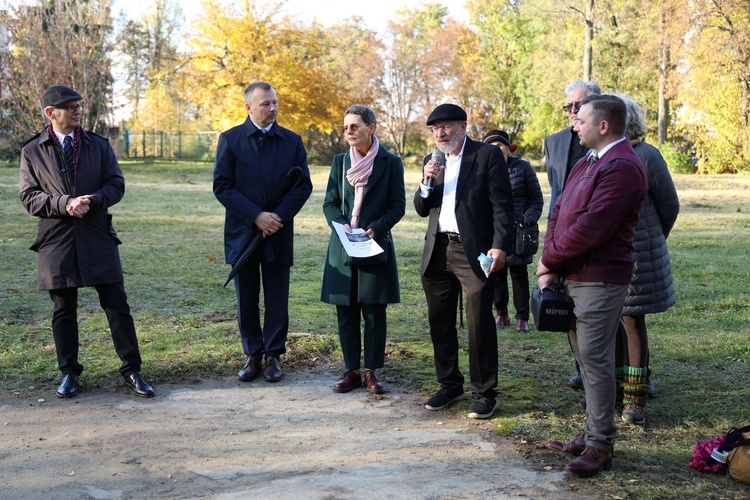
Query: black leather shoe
point(576, 382)
point(250, 371)
point(69, 386)
point(138, 385)
point(272, 372)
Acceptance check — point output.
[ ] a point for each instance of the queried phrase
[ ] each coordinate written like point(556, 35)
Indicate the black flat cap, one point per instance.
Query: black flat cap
point(58, 95)
point(496, 136)
point(449, 112)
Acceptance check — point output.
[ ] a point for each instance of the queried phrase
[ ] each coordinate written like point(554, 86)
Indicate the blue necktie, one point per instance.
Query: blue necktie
point(68, 148)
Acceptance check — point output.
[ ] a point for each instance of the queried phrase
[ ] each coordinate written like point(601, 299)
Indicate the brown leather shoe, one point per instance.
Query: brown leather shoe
point(591, 461)
point(250, 371)
point(348, 381)
point(272, 372)
point(575, 447)
point(374, 386)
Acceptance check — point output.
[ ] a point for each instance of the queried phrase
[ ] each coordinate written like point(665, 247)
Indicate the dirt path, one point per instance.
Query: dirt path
point(226, 439)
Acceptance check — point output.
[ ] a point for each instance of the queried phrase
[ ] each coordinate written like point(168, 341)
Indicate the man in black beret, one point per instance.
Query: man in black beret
point(470, 213)
point(69, 179)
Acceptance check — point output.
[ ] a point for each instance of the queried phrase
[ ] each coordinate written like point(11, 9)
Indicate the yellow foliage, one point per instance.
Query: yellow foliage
point(232, 48)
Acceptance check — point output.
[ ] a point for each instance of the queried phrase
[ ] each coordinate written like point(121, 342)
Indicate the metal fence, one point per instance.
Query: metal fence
point(177, 145)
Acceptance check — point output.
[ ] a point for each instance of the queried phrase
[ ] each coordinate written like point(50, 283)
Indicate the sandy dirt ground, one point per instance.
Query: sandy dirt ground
point(226, 439)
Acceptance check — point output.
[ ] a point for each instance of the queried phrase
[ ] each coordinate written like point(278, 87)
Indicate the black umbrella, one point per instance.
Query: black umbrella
point(254, 242)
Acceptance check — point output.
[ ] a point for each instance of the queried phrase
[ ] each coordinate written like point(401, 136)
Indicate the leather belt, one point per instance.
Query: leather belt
point(451, 236)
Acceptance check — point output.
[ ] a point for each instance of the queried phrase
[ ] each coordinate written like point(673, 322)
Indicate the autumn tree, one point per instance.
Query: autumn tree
point(232, 46)
point(150, 60)
point(413, 74)
point(714, 90)
point(352, 57)
point(502, 54)
point(55, 42)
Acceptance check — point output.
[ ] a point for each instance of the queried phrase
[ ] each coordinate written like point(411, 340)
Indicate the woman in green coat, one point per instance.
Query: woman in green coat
point(365, 190)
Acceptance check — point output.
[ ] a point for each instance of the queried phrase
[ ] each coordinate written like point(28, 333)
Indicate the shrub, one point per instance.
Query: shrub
point(678, 162)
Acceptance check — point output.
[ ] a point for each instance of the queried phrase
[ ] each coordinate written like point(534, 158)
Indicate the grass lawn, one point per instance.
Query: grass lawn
point(171, 226)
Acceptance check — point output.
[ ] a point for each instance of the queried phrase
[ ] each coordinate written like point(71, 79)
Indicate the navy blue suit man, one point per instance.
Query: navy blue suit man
point(250, 180)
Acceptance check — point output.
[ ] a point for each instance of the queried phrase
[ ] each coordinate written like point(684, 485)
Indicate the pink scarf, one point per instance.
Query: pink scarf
point(359, 174)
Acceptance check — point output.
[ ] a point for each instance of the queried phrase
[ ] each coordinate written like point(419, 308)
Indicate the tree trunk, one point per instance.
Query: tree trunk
point(663, 112)
point(588, 39)
point(662, 123)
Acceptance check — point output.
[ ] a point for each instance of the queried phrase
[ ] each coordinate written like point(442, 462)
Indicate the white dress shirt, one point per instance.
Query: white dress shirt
point(447, 221)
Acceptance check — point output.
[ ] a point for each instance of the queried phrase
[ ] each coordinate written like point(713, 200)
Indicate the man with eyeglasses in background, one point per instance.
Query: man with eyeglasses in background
point(69, 179)
point(469, 202)
point(563, 149)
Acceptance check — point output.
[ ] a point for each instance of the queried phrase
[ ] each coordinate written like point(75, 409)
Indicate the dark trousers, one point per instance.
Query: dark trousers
point(114, 301)
point(448, 272)
point(519, 277)
point(351, 339)
point(271, 338)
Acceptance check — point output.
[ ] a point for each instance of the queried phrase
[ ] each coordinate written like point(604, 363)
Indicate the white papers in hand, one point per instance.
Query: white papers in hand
point(357, 243)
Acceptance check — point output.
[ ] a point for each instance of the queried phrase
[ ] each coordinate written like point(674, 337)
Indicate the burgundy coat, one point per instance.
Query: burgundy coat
point(590, 232)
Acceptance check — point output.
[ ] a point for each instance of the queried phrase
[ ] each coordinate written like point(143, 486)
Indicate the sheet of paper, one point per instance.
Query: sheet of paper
point(357, 243)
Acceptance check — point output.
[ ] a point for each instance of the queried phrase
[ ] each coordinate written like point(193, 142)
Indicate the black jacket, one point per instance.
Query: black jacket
point(528, 200)
point(484, 206)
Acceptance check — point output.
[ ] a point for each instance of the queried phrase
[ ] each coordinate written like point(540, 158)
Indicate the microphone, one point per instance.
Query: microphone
point(439, 158)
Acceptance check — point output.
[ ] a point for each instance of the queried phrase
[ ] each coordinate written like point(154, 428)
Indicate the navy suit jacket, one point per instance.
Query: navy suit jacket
point(484, 205)
point(250, 177)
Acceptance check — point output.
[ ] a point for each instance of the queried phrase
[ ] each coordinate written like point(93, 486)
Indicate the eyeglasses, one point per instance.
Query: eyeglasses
point(570, 106)
point(71, 109)
point(445, 128)
point(353, 128)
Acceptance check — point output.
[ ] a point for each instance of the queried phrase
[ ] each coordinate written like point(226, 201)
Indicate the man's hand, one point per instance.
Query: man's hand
point(431, 170)
point(546, 276)
point(548, 279)
point(80, 206)
point(541, 269)
point(498, 259)
point(269, 223)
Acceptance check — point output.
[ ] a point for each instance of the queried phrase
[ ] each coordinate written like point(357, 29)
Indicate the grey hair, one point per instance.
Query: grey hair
point(368, 115)
point(592, 88)
point(635, 128)
point(256, 85)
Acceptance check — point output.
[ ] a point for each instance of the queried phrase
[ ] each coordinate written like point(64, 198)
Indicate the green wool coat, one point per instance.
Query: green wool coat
point(384, 205)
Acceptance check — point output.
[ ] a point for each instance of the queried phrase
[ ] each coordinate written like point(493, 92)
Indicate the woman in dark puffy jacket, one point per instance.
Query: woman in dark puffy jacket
point(528, 203)
point(651, 290)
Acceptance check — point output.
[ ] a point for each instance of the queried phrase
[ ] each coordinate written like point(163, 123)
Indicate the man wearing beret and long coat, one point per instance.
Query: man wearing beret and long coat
point(470, 212)
point(69, 179)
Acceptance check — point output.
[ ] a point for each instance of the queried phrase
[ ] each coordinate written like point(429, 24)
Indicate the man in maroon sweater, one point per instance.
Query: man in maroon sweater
point(589, 245)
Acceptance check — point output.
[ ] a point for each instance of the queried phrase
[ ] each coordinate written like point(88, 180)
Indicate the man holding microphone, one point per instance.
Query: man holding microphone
point(469, 205)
